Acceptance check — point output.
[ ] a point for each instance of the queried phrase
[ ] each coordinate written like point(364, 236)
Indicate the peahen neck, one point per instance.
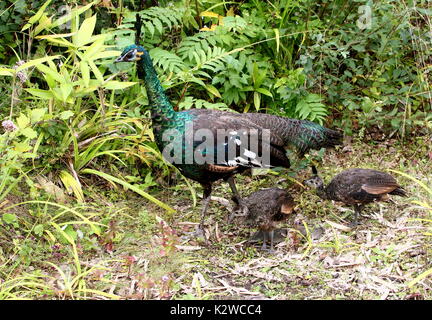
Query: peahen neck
point(321, 192)
point(161, 109)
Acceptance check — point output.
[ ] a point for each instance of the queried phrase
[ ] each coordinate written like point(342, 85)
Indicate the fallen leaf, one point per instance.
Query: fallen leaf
point(338, 226)
point(188, 248)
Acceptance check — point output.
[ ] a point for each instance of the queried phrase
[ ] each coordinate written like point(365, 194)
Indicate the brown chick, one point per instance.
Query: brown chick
point(356, 187)
point(265, 208)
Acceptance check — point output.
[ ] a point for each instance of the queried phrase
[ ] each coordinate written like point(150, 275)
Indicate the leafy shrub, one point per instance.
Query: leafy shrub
point(374, 76)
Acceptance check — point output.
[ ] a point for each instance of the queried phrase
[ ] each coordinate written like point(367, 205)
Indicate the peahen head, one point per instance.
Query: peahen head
point(132, 53)
point(315, 181)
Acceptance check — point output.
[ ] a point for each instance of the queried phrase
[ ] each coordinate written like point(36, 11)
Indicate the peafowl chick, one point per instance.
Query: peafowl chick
point(356, 187)
point(203, 154)
point(265, 208)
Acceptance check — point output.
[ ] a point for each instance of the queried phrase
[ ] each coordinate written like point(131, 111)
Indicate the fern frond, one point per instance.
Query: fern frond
point(155, 20)
point(213, 59)
point(167, 60)
point(311, 108)
point(202, 41)
point(191, 102)
point(158, 18)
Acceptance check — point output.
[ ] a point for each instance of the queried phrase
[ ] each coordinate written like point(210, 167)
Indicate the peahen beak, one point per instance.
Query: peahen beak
point(119, 59)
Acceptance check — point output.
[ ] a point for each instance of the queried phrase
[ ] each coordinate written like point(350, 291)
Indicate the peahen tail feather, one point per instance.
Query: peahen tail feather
point(302, 134)
point(311, 135)
point(399, 192)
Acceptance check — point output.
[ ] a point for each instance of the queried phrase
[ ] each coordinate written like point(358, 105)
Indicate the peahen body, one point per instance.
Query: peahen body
point(195, 134)
point(356, 187)
point(265, 208)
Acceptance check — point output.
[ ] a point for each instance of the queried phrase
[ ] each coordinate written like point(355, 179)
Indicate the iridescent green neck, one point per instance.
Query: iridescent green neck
point(162, 110)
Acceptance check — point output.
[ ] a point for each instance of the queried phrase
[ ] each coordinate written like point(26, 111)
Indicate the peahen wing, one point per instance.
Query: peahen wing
point(378, 182)
point(361, 185)
point(232, 141)
point(302, 134)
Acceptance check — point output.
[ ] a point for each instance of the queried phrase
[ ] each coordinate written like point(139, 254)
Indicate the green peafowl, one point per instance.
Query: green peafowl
point(356, 187)
point(265, 208)
point(225, 156)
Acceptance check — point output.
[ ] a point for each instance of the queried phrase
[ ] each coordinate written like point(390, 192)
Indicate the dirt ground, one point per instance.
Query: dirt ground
point(145, 253)
point(376, 260)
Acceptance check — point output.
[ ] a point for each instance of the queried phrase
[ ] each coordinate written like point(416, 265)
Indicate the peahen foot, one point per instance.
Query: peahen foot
point(354, 224)
point(240, 210)
point(198, 234)
point(279, 235)
point(268, 235)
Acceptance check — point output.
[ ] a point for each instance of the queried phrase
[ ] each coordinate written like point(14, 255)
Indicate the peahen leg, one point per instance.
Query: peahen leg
point(357, 210)
point(206, 201)
point(200, 232)
point(236, 197)
point(264, 245)
point(271, 236)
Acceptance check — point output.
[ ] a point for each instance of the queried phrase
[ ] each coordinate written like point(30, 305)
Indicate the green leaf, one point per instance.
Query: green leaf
point(85, 72)
point(116, 85)
point(22, 121)
point(276, 31)
point(26, 26)
point(44, 23)
point(96, 71)
point(6, 72)
point(69, 230)
point(22, 147)
point(55, 36)
point(38, 229)
point(106, 54)
point(73, 14)
point(51, 72)
point(257, 100)
point(150, 27)
point(60, 42)
point(129, 186)
point(213, 90)
point(37, 114)
point(66, 90)
point(66, 115)
point(35, 62)
point(158, 25)
point(29, 133)
point(420, 277)
point(43, 94)
point(248, 88)
point(72, 185)
point(85, 32)
point(37, 16)
point(96, 48)
point(264, 92)
point(9, 218)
